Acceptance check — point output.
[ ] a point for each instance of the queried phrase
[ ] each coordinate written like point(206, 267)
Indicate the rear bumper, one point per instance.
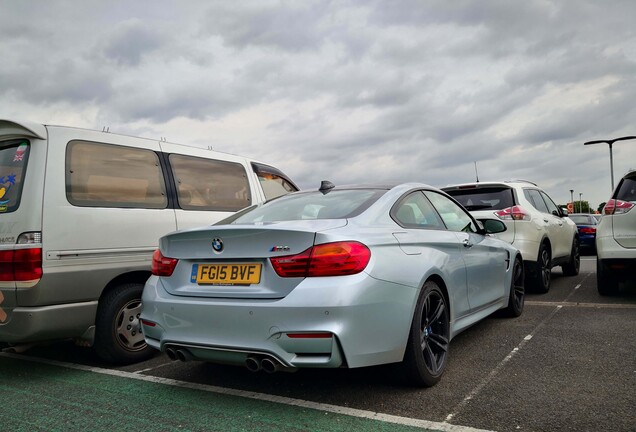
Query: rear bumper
point(607, 248)
point(35, 324)
point(369, 321)
point(587, 242)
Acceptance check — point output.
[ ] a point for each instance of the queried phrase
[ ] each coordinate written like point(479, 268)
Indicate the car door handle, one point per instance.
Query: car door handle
point(467, 243)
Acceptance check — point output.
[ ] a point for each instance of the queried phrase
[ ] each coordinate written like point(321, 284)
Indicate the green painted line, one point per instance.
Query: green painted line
point(43, 397)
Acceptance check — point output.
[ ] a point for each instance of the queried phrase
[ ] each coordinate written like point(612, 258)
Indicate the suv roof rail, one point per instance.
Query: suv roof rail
point(525, 181)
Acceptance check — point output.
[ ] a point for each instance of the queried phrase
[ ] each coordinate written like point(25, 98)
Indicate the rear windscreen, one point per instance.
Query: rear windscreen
point(582, 219)
point(13, 161)
point(495, 198)
point(627, 190)
point(337, 204)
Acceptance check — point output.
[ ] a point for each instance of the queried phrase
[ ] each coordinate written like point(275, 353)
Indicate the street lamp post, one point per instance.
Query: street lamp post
point(572, 198)
point(610, 142)
point(580, 203)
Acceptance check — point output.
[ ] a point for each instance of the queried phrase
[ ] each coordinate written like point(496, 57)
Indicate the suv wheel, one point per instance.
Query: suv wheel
point(543, 272)
point(606, 282)
point(574, 264)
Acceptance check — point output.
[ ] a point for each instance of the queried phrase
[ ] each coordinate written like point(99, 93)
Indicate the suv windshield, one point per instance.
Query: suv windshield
point(487, 198)
point(337, 204)
point(13, 162)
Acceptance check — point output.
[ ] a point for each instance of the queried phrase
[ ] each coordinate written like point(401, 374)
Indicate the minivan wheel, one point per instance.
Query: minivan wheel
point(429, 338)
point(118, 336)
point(574, 263)
point(606, 282)
point(543, 274)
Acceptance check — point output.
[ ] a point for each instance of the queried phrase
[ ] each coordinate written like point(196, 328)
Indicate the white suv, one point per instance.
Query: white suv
point(616, 238)
point(542, 232)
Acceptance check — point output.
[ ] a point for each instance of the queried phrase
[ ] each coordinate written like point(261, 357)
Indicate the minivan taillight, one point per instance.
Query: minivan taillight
point(161, 265)
point(21, 265)
point(513, 213)
point(615, 206)
point(329, 259)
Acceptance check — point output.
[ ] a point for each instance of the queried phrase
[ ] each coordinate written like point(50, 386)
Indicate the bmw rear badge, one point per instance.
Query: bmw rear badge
point(217, 245)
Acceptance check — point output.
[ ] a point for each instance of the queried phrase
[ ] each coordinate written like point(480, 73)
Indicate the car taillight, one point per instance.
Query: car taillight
point(615, 206)
point(587, 230)
point(161, 265)
point(513, 213)
point(21, 265)
point(330, 259)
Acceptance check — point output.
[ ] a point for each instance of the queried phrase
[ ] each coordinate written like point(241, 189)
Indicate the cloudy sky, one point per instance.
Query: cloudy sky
point(350, 91)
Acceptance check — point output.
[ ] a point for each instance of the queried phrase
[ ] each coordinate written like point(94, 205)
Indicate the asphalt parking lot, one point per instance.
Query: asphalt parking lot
point(568, 363)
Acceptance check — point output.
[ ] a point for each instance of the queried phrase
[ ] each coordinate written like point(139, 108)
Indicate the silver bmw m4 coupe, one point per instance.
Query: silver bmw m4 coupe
point(348, 276)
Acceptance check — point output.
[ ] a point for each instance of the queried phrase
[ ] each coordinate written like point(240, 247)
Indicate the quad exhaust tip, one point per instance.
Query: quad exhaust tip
point(267, 364)
point(179, 354)
point(253, 363)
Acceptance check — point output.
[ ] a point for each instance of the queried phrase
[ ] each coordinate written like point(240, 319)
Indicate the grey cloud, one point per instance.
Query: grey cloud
point(130, 41)
point(65, 80)
point(266, 24)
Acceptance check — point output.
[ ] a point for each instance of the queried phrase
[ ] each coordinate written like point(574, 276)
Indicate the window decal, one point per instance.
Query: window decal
point(5, 185)
point(19, 153)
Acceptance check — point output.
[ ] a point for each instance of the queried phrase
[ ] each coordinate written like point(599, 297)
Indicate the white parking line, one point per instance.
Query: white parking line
point(387, 418)
point(491, 376)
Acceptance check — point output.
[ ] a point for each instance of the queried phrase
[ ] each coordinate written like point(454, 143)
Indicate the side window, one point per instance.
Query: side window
point(274, 182)
point(107, 175)
point(535, 199)
point(13, 162)
point(552, 208)
point(274, 185)
point(207, 184)
point(415, 211)
point(455, 218)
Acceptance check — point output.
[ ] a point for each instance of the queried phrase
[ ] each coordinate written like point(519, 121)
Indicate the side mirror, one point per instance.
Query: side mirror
point(493, 226)
point(564, 212)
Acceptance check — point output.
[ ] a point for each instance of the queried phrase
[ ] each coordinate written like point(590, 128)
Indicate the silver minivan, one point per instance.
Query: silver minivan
point(81, 213)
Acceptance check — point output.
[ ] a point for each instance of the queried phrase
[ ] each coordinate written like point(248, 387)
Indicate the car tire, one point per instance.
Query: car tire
point(118, 337)
point(543, 272)
point(606, 282)
point(574, 264)
point(429, 337)
point(517, 292)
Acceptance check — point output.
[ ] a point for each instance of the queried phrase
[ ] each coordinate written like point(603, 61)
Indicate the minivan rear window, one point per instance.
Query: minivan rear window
point(487, 198)
point(14, 156)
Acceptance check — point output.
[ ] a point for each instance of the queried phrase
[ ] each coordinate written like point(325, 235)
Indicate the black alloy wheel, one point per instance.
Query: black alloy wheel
point(517, 291)
point(427, 349)
point(544, 270)
point(574, 264)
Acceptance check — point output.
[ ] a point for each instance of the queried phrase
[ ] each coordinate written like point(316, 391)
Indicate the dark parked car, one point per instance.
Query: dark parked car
point(586, 224)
